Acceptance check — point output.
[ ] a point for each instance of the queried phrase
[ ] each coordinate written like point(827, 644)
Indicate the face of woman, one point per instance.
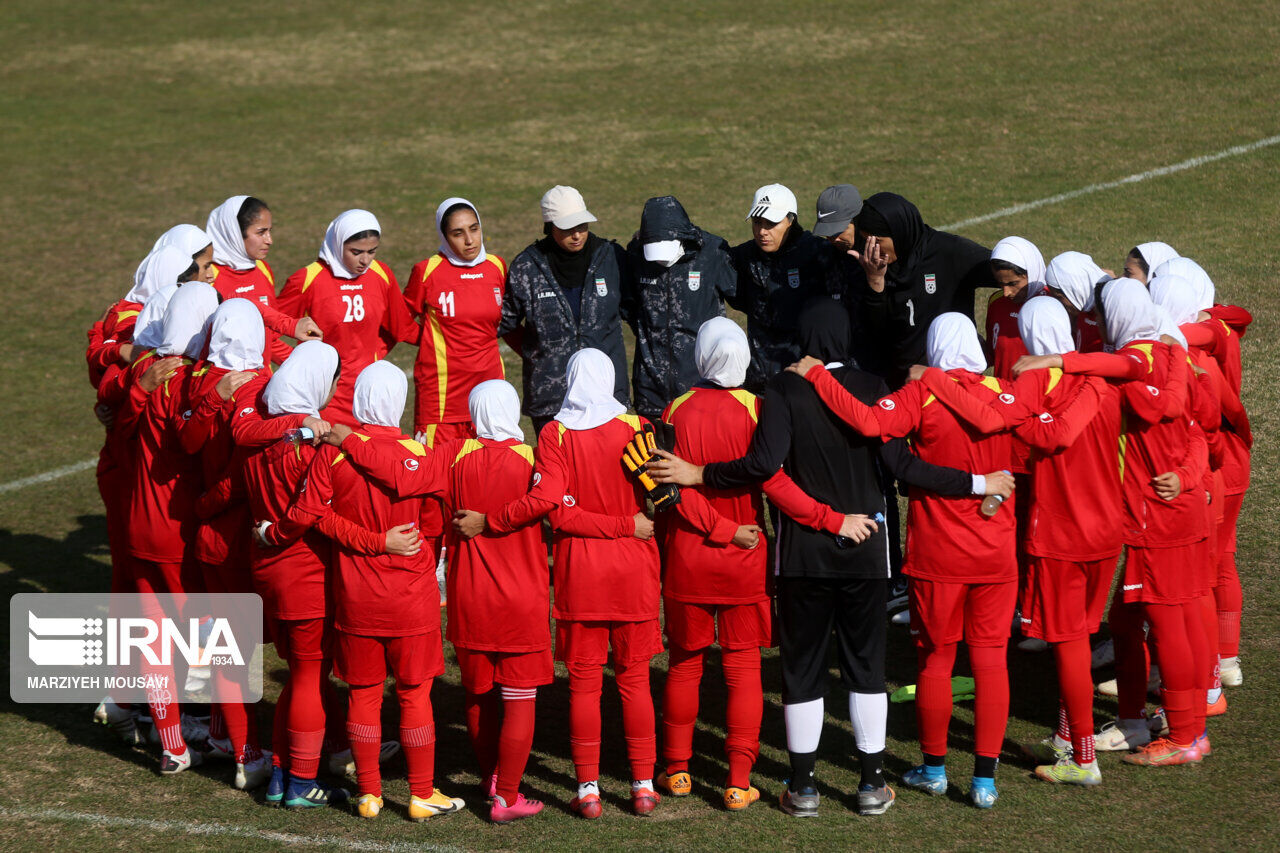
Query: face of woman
point(204, 265)
point(769, 235)
point(571, 241)
point(357, 255)
point(462, 233)
point(1133, 269)
point(1013, 284)
point(257, 237)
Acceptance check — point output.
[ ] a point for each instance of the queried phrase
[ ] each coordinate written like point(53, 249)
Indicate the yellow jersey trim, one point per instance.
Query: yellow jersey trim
point(313, 270)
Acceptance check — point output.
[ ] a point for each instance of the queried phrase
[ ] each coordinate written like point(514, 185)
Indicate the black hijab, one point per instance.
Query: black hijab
point(823, 331)
point(891, 213)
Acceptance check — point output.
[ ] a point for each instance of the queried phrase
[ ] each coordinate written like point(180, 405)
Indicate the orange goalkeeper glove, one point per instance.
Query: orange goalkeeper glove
point(636, 457)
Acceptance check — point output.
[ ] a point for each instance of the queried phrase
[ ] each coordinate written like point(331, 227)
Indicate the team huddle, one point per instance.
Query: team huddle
point(237, 463)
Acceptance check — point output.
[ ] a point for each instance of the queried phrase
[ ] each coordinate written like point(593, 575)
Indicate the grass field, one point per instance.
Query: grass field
point(120, 119)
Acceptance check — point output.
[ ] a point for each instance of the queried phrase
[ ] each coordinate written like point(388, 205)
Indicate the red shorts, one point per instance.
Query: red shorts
point(362, 660)
point(739, 626)
point(1166, 575)
point(981, 614)
point(302, 639)
point(431, 519)
point(481, 669)
point(1064, 600)
point(589, 642)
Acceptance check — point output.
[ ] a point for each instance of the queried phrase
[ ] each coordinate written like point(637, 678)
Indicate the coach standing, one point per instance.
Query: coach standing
point(913, 274)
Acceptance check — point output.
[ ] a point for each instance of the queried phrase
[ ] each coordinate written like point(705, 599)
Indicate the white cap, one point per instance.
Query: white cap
point(773, 202)
point(564, 208)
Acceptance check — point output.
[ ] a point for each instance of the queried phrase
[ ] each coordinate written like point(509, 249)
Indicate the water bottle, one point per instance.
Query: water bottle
point(991, 504)
point(846, 542)
point(298, 435)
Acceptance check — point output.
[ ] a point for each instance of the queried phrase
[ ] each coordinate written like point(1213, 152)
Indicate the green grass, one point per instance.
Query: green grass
point(120, 119)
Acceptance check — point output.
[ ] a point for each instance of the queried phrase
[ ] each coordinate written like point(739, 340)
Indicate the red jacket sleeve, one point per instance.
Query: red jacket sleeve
point(416, 289)
point(399, 323)
point(550, 476)
point(702, 516)
point(1234, 316)
point(195, 430)
point(976, 405)
point(1109, 365)
point(277, 321)
point(799, 506)
point(250, 426)
point(292, 301)
point(1061, 423)
point(395, 471)
point(591, 525)
point(894, 416)
point(1196, 462)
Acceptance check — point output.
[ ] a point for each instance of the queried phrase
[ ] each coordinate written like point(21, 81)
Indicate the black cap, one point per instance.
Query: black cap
point(836, 208)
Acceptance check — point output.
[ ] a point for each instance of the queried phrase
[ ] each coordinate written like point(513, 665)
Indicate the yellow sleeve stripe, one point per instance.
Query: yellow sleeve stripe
point(524, 451)
point(928, 400)
point(497, 262)
point(1055, 376)
point(441, 355)
point(377, 267)
point(995, 294)
point(992, 383)
point(560, 428)
point(360, 436)
point(677, 403)
point(217, 271)
point(469, 446)
point(313, 270)
point(747, 399)
point(413, 447)
point(1146, 350)
point(125, 315)
point(266, 270)
point(632, 421)
point(337, 459)
point(433, 262)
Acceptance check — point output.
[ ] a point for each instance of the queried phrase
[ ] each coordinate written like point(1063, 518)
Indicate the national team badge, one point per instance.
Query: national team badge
point(793, 278)
point(602, 288)
point(695, 281)
point(930, 283)
point(497, 296)
point(262, 299)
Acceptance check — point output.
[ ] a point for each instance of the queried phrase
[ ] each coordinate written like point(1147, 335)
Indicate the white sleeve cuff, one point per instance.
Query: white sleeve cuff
point(979, 484)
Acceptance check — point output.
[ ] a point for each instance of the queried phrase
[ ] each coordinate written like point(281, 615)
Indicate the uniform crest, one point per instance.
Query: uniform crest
point(262, 299)
point(497, 296)
point(602, 287)
point(246, 411)
point(888, 405)
point(695, 281)
point(1007, 399)
point(793, 278)
point(1046, 418)
point(930, 283)
point(411, 464)
point(569, 500)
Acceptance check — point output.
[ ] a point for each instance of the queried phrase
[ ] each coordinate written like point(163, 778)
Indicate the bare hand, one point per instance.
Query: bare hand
point(1035, 362)
point(858, 527)
point(337, 434)
point(644, 526)
point(916, 373)
point(1168, 486)
point(126, 353)
point(873, 262)
point(229, 383)
point(748, 536)
point(468, 523)
point(999, 483)
point(105, 414)
point(421, 437)
point(159, 373)
point(307, 330)
point(404, 540)
point(260, 535)
point(669, 468)
point(804, 365)
point(1110, 273)
point(319, 426)
point(1202, 316)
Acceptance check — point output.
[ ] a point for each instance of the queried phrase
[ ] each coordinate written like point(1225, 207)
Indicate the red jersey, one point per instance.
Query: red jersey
point(1088, 335)
point(1158, 436)
point(107, 335)
point(1222, 342)
point(1004, 341)
point(1076, 509)
point(383, 595)
point(602, 573)
point(459, 308)
point(498, 581)
point(1234, 316)
point(948, 538)
point(362, 318)
point(1236, 433)
point(701, 564)
point(258, 285)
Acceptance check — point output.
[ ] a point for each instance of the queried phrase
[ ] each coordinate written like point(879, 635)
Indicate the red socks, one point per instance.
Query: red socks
point(1208, 610)
point(364, 730)
point(933, 697)
point(637, 717)
point(1132, 662)
point(1172, 630)
point(586, 681)
point(991, 705)
point(484, 720)
point(1075, 686)
point(516, 739)
point(418, 737)
point(680, 707)
point(1230, 601)
point(166, 716)
point(746, 707)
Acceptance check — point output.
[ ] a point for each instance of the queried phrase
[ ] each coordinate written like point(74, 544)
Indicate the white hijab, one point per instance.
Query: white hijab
point(1129, 312)
point(953, 342)
point(444, 244)
point(301, 385)
point(1155, 254)
point(722, 353)
point(148, 331)
point(1201, 284)
point(495, 410)
point(186, 239)
point(228, 239)
point(1023, 253)
point(1045, 327)
point(588, 401)
point(1075, 274)
point(341, 230)
point(381, 389)
point(236, 336)
point(160, 270)
point(186, 320)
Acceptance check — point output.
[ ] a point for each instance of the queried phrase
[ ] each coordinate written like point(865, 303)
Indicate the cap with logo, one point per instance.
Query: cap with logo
point(565, 208)
point(773, 202)
point(837, 206)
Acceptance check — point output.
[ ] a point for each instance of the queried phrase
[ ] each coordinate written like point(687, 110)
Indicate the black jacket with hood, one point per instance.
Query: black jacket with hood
point(935, 272)
point(773, 287)
point(829, 459)
point(536, 309)
point(670, 304)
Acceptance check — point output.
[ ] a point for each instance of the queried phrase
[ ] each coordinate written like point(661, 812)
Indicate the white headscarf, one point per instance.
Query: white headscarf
point(186, 240)
point(341, 230)
point(236, 336)
point(186, 320)
point(953, 342)
point(1075, 274)
point(1175, 295)
point(301, 385)
point(588, 401)
point(1023, 253)
point(148, 330)
point(381, 389)
point(444, 244)
point(1045, 327)
point(1195, 275)
point(722, 353)
point(1129, 312)
point(228, 238)
point(1155, 254)
point(495, 410)
point(160, 270)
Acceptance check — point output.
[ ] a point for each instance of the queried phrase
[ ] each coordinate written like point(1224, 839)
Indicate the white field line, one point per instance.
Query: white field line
point(1233, 151)
point(222, 830)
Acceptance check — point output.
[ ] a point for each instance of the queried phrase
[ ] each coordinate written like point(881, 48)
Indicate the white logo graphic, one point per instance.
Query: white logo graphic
point(1007, 399)
point(186, 416)
point(822, 214)
point(537, 478)
point(263, 300)
point(1046, 418)
point(411, 464)
point(930, 283)
point(1155, 392)
point(246, 411)
point(888, 405)
point(695, 280)
point(245, 289)
point(64, 641)
point(569, 501)
point(602, 288)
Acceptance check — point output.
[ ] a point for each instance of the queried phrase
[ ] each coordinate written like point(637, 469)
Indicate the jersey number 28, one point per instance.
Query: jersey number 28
point(355, 308)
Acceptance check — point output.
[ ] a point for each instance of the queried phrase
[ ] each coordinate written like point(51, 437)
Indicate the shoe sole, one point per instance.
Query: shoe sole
point(880, 808)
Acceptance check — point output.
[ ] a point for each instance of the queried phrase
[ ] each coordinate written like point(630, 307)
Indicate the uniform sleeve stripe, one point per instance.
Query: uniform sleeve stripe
point(442, 357)
point(313, 270)
point(746, 398)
